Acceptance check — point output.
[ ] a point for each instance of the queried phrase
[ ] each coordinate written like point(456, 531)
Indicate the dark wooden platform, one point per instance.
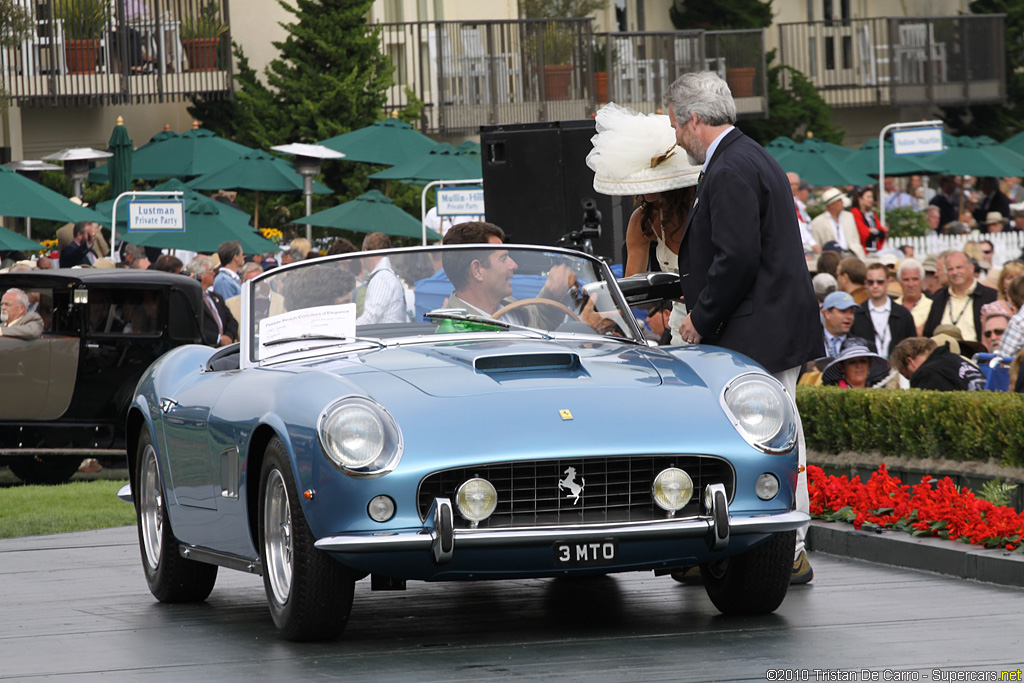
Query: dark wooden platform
point(75, 608)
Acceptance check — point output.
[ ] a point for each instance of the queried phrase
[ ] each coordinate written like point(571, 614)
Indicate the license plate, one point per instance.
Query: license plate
point(586, 553)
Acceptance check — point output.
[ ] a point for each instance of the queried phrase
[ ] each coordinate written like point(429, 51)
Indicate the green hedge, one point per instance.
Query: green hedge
point(958, 425)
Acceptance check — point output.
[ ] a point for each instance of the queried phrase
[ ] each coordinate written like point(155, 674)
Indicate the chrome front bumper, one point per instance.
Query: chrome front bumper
point(439, 536)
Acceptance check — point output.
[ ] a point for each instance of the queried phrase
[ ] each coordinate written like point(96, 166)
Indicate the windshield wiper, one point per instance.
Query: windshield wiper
point(461, 315)
point(325, 337)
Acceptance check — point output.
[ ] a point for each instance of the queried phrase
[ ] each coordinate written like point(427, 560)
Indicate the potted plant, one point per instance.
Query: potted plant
point(558, 45)
point(84, 22)
point(201, 37)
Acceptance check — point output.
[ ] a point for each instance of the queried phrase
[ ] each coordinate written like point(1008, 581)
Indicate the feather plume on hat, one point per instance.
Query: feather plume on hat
point(637, 154)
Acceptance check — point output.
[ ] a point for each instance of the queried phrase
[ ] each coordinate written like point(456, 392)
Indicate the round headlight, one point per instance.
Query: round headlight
point(767, 486)
point(762, 413)
point(476, 499)
point(672, 489)
point(360, 436)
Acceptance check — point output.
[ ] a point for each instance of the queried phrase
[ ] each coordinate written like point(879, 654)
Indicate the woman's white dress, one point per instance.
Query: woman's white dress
point(669, 263)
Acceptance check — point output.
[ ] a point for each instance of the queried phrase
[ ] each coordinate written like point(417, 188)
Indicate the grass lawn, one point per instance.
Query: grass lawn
point(76, 506)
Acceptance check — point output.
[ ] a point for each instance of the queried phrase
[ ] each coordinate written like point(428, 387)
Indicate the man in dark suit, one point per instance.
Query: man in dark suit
point(741, 261)
point(880, 319)
point(960, 303)
point(219, 327)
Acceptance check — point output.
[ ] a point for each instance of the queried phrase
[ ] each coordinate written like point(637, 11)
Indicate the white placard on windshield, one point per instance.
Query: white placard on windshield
point(156, 216)
point(460, 201)
point(917, 141)
point(309, 323)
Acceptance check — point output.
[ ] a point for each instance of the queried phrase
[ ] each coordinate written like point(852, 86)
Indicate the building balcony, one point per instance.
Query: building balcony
point(93, 52)
point(469, 74)
point(939, 61)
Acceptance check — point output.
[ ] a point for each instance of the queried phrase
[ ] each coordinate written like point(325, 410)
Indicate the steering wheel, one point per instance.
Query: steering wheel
point(529, 302)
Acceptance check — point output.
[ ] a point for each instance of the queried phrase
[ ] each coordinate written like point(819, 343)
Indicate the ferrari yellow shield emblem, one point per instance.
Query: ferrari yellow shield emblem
point(565, 414)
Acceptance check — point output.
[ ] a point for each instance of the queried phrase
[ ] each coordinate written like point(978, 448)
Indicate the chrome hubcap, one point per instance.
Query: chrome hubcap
point(151, 508)
point(277, 525)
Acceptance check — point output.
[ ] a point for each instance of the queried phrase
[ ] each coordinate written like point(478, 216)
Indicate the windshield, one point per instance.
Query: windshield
point(371, 297)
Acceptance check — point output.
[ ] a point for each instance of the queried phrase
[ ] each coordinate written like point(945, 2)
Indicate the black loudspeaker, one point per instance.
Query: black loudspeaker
point(535, 179)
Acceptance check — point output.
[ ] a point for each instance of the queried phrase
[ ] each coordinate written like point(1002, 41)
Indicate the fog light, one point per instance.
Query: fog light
point(672, 489)
point(767, 486)
point(476, 500)
point(381, 508)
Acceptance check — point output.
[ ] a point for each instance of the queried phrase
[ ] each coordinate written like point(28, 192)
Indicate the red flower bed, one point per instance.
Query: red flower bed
point(941, 510)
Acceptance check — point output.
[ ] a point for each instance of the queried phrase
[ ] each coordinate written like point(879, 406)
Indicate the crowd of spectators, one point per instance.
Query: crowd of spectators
point(906, 319)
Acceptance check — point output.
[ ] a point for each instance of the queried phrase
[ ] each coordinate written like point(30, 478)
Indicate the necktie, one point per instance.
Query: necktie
point(835, 346)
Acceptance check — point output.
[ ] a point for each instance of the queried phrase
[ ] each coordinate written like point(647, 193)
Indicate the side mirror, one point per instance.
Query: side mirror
point(650, 288)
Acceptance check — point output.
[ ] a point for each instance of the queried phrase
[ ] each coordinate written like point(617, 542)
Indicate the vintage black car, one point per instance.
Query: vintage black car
point(64, 396)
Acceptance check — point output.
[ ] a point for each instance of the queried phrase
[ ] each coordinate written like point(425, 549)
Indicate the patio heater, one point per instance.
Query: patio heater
point(78, 161)
point(307, 164)
point(31, 169)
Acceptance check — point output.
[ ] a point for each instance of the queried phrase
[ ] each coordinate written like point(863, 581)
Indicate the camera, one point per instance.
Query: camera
point(582, 239)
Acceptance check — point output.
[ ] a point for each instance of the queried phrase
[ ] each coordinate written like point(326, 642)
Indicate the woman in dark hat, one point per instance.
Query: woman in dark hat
point(852, 367)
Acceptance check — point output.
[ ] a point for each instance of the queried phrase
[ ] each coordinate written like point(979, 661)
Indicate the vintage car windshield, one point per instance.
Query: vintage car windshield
point(372, 297)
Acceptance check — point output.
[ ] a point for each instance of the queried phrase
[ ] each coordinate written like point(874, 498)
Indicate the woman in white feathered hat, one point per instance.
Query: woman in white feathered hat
point(636, 155)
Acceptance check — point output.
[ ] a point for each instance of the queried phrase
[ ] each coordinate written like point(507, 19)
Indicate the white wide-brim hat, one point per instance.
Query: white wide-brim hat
point(637, 154)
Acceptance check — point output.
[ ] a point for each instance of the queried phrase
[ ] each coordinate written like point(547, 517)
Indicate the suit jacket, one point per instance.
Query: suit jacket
point(741, 261)
point(210, 332)
point(901, 325)
point(823, 231)
point(982, 295)
point(28, 326)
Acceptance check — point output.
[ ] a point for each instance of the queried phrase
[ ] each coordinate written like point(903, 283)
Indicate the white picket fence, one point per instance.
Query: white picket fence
point(1008, 245)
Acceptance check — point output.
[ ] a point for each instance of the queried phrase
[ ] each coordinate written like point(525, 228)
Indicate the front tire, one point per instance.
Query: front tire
point(754, 582)
point(310, 594)
point(171, 577)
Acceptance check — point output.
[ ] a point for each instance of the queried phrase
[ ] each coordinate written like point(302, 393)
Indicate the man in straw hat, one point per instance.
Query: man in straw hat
point(741, 260)
point(995, 221)
point(836, 224)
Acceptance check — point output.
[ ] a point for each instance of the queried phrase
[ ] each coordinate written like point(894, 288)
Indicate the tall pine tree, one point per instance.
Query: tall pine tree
point(330, 78)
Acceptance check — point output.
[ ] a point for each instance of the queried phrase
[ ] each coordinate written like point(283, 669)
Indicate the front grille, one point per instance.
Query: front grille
point(617, 489)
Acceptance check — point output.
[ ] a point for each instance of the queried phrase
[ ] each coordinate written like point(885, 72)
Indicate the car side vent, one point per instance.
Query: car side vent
point(527, 361)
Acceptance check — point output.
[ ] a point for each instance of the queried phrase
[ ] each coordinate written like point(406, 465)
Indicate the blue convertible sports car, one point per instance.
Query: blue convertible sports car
point(518, 426)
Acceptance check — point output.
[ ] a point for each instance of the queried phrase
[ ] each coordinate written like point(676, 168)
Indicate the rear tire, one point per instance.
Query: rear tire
point(45, 469)
point(754, 582)
point(309, 593)
point(171, 577)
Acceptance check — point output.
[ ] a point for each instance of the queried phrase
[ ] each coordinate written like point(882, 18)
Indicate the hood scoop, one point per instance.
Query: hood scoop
point(527, 362)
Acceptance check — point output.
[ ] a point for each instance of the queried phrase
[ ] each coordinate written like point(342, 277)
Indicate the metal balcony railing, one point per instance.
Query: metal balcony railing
point(469, 74)
point(86, 52)
point(946, 61)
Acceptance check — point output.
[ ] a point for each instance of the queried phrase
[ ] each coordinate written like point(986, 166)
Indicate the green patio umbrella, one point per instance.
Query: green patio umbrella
point(119, 166)
point(257, 172)
point(780, 147)
point(369, 212)
point(444, 162)
point(964, 156)
point(24, 198)
point(388, 143)
point(12, 241)
point(1005, 153)
point(1016, 143)
point(820, 166)
point(185, 155)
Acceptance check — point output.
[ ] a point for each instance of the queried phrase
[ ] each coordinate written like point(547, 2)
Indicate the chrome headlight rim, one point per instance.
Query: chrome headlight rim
point(785, 437)
point(391, 448)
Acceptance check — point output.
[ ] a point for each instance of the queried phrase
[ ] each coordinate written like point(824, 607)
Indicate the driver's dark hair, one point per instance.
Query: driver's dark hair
point(472, 232)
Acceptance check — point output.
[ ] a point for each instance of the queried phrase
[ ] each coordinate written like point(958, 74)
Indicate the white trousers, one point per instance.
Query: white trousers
point(803, 501)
